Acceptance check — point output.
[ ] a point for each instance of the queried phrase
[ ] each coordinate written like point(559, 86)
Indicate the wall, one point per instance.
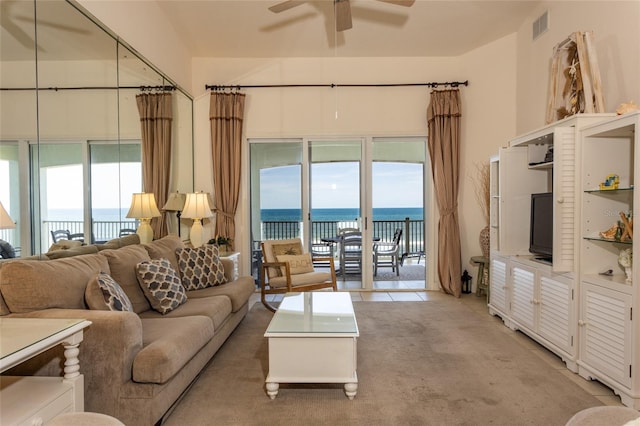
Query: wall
point(145, 27)
point(616, 35)
point(488, 115)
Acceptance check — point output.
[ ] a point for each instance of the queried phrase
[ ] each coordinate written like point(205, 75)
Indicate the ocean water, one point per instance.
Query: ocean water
point(336, 215)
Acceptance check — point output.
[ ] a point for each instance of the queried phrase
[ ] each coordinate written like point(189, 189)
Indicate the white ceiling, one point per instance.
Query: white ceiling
point(246, 28)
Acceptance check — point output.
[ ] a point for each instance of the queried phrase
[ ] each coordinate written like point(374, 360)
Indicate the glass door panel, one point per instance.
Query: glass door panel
point(397, 194)
point(335, 199)
point(110, 204)
point(276, 193)
point(58, 172)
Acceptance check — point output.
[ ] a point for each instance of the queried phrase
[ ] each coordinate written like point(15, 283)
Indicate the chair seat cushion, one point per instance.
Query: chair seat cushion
point(300, 279)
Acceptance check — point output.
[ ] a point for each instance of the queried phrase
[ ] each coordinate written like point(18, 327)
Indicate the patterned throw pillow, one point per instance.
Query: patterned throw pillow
point(200, 267)
point(286, 249)
point(114, 297)
point(161, 285)
point(298, 263)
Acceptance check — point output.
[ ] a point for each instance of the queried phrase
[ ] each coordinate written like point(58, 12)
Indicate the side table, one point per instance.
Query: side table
point(36, 400)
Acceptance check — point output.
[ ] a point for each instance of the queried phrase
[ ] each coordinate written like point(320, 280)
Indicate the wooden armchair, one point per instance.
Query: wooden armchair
point(286, 268)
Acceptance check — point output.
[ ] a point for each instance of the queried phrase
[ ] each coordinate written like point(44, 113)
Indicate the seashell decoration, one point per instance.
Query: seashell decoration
point(627, 107)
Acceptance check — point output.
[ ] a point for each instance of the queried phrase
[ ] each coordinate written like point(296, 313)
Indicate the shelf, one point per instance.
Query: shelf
point(608, 191)
point(604, 240)
point(541, 166)
point(617, 279)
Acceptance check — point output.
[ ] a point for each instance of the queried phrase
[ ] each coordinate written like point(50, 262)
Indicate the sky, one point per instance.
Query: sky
point(336, 185)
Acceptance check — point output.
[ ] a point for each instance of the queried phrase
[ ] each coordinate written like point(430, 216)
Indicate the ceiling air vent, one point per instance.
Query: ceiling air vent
point(541, 25)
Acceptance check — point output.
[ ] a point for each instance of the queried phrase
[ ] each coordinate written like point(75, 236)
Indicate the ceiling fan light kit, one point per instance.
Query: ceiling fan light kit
point(342, 10)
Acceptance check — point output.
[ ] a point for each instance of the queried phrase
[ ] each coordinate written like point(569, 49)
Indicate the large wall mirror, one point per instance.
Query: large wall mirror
point(70, 153)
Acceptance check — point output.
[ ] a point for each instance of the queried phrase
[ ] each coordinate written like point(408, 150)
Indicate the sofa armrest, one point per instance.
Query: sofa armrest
point(107, 351)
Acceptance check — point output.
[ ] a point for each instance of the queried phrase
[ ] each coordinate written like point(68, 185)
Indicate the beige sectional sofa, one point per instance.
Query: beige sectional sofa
point(136, 364)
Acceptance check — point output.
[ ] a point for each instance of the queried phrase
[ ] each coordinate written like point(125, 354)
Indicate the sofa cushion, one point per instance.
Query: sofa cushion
point(104, 293)
point(298, 263)
point(29, 285)
point(122, 265)
point(161, 284)
point(200, 267)
point(238, 291)
point(168, 344)
point(73, 251)
point(117, 243)
point(216, 308)
point(165, 248)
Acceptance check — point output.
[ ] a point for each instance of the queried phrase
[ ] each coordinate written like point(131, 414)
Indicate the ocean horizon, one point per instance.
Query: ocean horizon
point(338, 215)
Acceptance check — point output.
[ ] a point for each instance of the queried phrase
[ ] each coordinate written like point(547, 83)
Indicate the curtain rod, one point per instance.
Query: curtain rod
point(141, 88)
point(332, 85)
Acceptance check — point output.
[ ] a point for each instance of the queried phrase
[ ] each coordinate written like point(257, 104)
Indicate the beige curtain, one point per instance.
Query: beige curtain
point(226, 112)
point(443, 119)
point(155, 111)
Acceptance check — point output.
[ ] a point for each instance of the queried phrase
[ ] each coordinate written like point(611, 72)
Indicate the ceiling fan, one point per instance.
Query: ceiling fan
point(342, 9)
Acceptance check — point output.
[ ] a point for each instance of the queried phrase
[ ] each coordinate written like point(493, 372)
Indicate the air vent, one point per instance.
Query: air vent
point(541, 25)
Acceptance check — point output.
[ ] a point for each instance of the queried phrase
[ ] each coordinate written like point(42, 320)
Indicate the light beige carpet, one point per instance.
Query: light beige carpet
point(419, 363)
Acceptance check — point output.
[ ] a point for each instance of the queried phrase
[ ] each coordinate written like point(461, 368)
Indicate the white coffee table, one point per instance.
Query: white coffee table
point(312, 339)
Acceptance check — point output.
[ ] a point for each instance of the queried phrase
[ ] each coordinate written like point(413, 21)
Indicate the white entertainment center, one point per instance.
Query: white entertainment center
point(567, 305)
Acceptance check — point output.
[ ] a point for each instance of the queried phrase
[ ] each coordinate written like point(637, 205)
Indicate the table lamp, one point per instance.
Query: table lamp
point(197, 208)
point(5, 220)
point(143, 207)
point(175, 203)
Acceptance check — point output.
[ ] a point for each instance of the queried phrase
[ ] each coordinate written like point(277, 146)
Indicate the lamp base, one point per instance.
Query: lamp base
point(196, 233)
point(145, 231)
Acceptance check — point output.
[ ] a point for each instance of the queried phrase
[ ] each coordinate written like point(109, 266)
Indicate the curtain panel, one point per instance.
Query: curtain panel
point(226, 114)
point(156, 115)
point(443, 119)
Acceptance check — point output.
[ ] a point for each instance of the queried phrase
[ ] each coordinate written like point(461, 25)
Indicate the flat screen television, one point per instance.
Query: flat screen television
point(541, 231)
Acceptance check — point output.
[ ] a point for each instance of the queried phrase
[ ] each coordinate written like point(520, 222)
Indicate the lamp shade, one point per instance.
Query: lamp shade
point(143, 206)
point(5, 220)
point(175, 203)
point(197, 206)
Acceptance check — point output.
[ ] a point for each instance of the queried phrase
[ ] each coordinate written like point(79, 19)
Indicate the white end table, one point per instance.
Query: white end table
point(312, 339)
point(36, 400)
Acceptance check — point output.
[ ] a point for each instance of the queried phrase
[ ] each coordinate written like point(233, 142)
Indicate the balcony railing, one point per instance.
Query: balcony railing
point(412, 232)
point(101, 230)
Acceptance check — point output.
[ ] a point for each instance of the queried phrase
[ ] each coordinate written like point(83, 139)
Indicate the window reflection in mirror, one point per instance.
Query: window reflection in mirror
point(76, 122)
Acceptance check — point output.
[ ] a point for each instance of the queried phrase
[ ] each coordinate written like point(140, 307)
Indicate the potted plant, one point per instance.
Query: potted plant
point(224, 243)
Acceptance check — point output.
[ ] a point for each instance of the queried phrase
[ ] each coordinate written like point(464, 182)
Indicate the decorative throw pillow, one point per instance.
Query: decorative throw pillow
point(161, 285)
point(286, 249)
point(298, 263)
point(113, 297)
point(200, 267)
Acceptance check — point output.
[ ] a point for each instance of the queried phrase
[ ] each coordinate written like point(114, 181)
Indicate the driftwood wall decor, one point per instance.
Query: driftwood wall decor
point(574, 84)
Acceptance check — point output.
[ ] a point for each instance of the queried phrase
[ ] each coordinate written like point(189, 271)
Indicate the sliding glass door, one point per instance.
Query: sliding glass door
point(335, 173)
point(398, 205)
point(318, 189)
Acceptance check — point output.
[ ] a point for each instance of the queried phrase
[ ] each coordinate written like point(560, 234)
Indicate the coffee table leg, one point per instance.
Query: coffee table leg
point(272, 389)
point(350, 389)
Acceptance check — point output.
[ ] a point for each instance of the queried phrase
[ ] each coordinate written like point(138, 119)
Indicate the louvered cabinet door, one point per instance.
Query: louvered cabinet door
point(564, 196)
point(498, 290)
point(605, 332)
point(556, 311)
point(523, 296)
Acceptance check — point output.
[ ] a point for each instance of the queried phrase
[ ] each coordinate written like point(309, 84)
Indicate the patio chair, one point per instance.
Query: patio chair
point(350, 253)
point(387, 253)
point(287, 268)
point(65, 234)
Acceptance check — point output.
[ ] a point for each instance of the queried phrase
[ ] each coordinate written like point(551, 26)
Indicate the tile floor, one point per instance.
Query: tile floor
point(403, 294)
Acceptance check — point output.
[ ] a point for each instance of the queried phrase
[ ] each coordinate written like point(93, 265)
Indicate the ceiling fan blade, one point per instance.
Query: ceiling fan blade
point(285, 5)
point(343, 15)
point(406, 3)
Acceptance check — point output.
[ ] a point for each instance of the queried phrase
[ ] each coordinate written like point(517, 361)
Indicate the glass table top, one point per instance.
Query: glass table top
point(17, 334)
point(314, 313)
